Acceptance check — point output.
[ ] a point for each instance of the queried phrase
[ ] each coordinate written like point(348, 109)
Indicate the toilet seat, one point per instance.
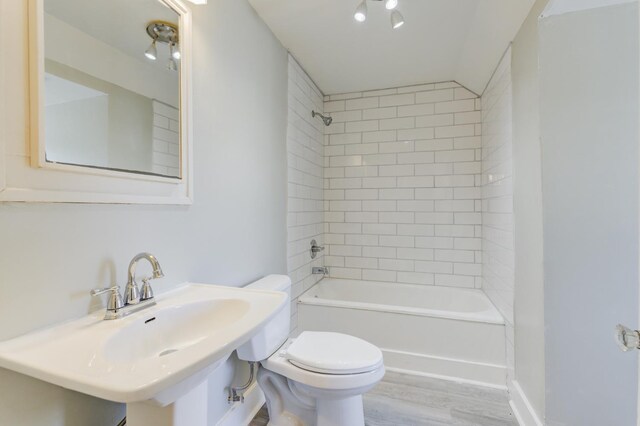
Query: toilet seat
point(280, 364)
point(333, 353)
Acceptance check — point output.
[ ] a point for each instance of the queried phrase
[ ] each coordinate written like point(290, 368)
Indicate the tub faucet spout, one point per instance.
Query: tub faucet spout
point(324, 270)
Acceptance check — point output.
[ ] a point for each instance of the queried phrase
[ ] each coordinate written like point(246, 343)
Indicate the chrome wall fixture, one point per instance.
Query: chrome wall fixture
point(325, 119)
point(315, 249)
point(317, 270)
point(166, 33)
point(397, 20)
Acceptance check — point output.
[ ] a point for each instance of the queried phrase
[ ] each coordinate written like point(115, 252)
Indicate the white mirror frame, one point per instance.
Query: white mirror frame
point(26, 176)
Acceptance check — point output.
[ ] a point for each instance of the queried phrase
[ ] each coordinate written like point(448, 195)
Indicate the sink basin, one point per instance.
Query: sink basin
point(172, 329)
point(157, 354)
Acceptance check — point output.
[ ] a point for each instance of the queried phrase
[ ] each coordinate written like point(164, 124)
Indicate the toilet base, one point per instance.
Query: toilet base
point(286, 406)
point(290, 403)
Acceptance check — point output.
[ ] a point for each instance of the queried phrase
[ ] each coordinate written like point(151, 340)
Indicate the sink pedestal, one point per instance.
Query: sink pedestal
point(188, 410)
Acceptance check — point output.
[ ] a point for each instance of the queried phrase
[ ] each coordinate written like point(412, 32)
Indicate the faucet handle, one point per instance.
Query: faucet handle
point(99, 291)
point(115, 300)
point(146, 292)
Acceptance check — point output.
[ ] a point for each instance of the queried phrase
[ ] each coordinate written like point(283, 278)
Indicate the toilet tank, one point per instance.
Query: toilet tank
point(275, 332)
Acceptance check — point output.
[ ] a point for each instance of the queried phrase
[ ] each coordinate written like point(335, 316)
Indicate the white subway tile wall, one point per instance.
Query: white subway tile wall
point(402, 184)
point(305, 180)
point(497, 199)
point(166, 139)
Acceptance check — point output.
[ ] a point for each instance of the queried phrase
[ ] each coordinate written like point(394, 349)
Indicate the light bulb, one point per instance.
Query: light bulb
point(152, 51)
point(391, 4)
point(175, 51)
point(171, 65)
point(361, 12)
point(396, 20)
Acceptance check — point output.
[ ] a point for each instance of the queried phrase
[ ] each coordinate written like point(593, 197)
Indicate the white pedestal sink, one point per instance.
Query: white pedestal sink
point(156, 360)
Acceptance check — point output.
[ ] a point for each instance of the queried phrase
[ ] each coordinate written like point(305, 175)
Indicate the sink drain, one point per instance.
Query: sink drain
point(167, 352)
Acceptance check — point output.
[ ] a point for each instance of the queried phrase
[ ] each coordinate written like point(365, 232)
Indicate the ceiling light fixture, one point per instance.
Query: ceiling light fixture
point(166, 33)
point(397, 20)
point(361, 12)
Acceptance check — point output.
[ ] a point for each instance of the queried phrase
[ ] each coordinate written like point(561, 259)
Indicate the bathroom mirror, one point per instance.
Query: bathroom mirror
point(111, 85)
point(109, 105)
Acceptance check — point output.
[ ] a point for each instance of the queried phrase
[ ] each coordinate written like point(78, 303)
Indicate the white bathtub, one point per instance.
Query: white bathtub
point(440, 331)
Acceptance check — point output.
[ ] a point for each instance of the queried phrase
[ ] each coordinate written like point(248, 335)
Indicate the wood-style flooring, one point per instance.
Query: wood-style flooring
point(407, 400)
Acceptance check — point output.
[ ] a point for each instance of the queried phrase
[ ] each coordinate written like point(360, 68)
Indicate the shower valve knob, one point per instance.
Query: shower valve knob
point(315, 249)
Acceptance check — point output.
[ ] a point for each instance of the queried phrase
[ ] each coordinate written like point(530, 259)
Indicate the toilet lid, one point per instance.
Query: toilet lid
point(333, 353)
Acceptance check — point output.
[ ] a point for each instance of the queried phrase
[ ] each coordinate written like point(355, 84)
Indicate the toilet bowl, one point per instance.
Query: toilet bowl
point(316, 379)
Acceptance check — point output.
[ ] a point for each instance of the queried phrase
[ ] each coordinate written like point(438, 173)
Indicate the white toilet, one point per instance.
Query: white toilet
point(317, 378)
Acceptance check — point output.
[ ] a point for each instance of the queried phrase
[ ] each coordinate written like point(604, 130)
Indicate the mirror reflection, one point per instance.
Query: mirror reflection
point(112, 88)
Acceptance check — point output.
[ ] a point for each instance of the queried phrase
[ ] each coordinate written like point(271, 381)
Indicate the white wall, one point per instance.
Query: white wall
point(235, 232)
point(402, 185)
point(497, 199)
point(305, 157)
point(589, 128)
point(527, 205)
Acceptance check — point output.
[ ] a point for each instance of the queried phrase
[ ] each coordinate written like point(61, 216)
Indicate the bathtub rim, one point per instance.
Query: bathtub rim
point(489, 316)
point(440, 356)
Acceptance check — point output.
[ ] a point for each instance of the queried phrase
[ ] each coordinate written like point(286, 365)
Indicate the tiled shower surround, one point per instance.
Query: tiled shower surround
point(497, 191)
point(498, 278)
point(304, 168)
point(402, 185)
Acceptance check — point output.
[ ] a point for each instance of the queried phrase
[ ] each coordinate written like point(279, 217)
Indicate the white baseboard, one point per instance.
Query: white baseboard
point(243, 413)
point(521, 407)
point(490, 375)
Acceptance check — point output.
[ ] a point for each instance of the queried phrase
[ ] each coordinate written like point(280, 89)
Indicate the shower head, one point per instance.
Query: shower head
point(326, 120)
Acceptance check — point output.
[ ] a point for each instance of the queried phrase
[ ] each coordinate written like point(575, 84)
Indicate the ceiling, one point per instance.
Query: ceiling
point(442, 40)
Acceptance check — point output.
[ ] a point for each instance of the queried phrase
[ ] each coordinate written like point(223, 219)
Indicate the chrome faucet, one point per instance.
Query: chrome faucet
point(132, 293)
point(135, 300)
point(324, 270)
